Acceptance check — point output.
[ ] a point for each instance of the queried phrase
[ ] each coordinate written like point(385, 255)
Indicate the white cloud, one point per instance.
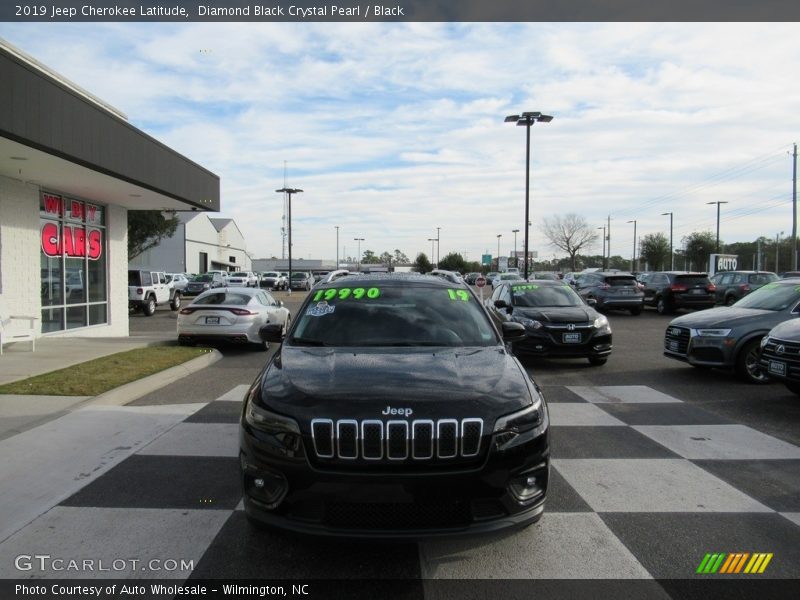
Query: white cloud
point(394, 129)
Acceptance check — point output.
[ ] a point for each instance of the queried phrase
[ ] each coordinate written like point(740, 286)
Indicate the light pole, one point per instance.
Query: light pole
point(516, 258)
point(717, 202)
point(289, 191)
point(671, 253)
point(527, 119)
point(499, 235)
point(633, 258)
point(431, 240)
point(777, 248)
point(438, 247)
point(337, 246)
point(604, 245)
point(359, 240)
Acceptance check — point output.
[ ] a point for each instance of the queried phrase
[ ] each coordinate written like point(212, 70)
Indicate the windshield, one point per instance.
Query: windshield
point(298, 275)
point(393, 315)
point(204, 278)
point(772, 296)
point(544, 295)
point(510, 277)
point(271, 274)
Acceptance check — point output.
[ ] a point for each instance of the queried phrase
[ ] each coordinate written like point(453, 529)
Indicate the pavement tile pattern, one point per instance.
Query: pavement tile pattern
point(642, 487)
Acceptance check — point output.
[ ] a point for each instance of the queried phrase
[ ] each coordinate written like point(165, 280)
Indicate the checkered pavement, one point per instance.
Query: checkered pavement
point(642, 487)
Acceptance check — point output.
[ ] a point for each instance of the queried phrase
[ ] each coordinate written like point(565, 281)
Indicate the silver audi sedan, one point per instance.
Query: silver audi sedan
point(230, 315)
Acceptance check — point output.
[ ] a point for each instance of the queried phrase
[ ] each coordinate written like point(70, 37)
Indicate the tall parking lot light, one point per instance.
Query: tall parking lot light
point(289, 191)
point(633, 257)
point(516, 258)
point(717, 202)
point(337, 246)
point(432, 240)
point(359, 240)
point(671, 251)
point(527, 119)
point(438, 246)
point(499, 235)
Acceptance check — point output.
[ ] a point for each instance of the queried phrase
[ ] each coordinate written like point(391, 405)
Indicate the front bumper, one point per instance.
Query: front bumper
point(398, 501)
point(703, 351)
point(545, 345)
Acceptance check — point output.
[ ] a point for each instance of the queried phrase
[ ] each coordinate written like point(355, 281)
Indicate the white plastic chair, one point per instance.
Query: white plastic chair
point(11, 332)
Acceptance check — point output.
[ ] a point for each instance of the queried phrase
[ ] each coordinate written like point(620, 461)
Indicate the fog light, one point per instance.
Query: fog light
point(267, 488)
point(525, 489)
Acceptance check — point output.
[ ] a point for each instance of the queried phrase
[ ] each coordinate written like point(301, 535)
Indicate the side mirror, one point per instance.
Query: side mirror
point(500, 304)
point(513, 331)
point(271, 332)
point(280, 302)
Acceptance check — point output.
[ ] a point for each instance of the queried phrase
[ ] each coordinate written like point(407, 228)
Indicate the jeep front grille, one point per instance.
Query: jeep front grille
point(396, 440)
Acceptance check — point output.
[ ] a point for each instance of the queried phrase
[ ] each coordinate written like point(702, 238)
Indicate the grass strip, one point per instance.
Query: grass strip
point(96, 376)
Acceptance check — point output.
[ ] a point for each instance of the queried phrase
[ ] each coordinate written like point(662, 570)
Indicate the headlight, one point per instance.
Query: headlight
point(600, 322)
point(520, 421)
point(528, 322)
point(711, 332)
point(283, 433)
point(206, 286)
point(764, 341)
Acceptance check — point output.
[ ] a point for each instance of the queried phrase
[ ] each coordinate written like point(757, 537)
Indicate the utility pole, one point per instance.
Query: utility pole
point(437, 247)
point(608, 264)
point(633, 257)
point(794, 209)
point(604, 246)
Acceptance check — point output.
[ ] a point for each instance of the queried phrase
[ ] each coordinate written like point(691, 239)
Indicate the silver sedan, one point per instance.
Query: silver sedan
point(232, 315)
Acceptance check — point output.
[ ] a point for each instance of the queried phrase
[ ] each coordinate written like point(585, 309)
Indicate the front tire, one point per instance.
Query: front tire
point(730, 301)
point(597, 361)
point(747, 366)
point(176, 301)
point(636, 311)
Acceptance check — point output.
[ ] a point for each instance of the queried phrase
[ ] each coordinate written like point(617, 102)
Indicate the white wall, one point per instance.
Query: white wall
point(20, 285)
point(20, 259)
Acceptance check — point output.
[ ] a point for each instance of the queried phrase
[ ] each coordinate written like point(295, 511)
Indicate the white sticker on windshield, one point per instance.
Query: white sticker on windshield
point(321, 309)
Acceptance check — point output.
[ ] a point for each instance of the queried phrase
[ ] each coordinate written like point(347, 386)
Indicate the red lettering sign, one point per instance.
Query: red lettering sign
point(75, 242)
point(52, 204)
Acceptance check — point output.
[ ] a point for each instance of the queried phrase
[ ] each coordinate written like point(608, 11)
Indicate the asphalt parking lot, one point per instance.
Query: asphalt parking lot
point(654, 465)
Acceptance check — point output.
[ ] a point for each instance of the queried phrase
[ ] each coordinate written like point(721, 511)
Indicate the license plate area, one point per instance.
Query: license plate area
point(672, 345)
point(212, 320)
point(777, 367)
point(571, 338)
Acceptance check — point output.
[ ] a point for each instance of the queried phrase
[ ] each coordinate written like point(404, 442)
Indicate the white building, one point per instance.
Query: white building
point(71, 167)
point(200, 244)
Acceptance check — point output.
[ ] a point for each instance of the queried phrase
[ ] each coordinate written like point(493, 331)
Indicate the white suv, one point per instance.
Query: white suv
point(148, 289)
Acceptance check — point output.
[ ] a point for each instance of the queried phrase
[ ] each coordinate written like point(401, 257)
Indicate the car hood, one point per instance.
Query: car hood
point(308, 383)
point(557, 314)
point(726, 316)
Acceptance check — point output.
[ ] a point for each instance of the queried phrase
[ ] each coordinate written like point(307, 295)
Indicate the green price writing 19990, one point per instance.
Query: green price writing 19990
point(345, 293)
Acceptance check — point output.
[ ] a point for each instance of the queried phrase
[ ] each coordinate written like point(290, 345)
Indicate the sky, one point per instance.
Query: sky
point(396, 129)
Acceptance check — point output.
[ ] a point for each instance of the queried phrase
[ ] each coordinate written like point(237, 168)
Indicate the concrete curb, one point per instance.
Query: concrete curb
point(136, 389)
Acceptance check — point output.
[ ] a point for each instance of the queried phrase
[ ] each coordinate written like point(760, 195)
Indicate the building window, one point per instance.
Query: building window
point(74, 281)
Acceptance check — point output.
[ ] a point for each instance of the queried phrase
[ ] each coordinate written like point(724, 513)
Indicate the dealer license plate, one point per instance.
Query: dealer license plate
point(672, 345)
point(697, 291)
point(571, 338)
point(212, 320)
point(777, 367)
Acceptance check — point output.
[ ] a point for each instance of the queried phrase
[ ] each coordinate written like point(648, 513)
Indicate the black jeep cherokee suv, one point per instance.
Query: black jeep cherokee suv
point(393, 408)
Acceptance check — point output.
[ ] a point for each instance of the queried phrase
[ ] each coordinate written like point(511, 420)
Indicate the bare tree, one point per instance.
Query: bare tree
point(570, 233)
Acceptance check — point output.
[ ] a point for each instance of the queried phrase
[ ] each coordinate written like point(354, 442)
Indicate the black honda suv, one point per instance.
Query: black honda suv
point(364, 423)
